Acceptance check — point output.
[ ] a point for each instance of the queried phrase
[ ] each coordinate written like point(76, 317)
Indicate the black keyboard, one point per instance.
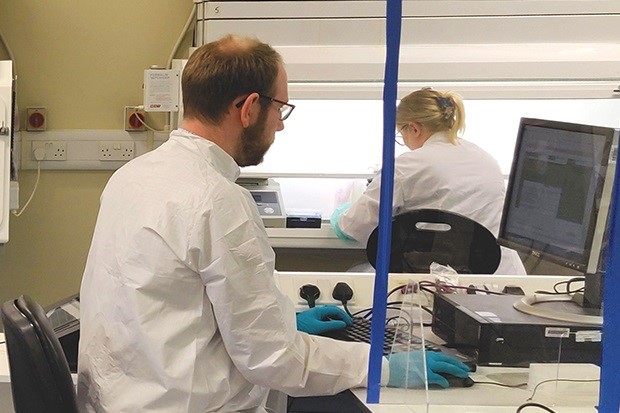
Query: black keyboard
point(396, 338)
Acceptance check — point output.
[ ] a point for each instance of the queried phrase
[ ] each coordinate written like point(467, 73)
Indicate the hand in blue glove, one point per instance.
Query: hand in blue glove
point(407, 369)
point(321, 319)
point(336, 217)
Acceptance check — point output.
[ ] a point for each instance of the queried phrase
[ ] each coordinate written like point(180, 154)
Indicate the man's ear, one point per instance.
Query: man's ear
point(249, 110)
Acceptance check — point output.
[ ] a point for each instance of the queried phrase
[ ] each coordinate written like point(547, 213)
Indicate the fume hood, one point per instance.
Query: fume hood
point(507, 58)
point(484, 48)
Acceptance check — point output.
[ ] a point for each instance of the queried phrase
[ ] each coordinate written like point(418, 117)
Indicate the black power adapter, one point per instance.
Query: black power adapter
point(342, 292)
point(310, 293)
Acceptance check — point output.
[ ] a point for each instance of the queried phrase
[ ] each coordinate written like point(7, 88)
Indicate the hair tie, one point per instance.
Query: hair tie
point(446, 105)
point(445, 102)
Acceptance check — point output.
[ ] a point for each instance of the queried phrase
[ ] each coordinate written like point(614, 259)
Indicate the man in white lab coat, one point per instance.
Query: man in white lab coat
point(179, 307)
point(441, 171)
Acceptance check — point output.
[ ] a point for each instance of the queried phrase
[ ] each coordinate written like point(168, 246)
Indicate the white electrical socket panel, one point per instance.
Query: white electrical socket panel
point(116, 151)
point(49, 151)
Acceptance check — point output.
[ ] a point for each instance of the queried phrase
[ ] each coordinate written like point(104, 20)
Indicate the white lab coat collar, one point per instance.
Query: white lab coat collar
point(438, 137)
point(213, 154)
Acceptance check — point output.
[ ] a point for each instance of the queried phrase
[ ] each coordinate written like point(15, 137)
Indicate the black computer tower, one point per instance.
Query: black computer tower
point(493, 332)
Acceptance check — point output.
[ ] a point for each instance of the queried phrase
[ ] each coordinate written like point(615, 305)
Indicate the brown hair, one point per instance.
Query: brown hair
point(436, 111)
point(219, 72)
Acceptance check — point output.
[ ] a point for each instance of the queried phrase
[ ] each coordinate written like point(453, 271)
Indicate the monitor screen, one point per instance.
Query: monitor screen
point(558, 192)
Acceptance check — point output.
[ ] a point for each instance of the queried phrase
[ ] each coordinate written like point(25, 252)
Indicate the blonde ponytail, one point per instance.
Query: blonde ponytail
point(436, 111)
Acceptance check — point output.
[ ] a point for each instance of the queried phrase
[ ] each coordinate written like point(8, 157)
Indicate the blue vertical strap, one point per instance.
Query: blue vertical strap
point(609, 393)
point(377, 332)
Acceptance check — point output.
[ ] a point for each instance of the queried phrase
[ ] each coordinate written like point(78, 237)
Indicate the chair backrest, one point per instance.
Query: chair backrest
point(40, 376)
point(423, 236)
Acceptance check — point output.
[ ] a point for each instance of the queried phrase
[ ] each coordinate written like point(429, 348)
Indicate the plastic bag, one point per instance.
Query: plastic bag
point(445, 278)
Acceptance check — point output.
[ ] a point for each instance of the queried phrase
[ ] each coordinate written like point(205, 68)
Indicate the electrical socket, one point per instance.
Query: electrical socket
point(116, 151)
point(49, 150)
point(36, 118)
point(132, 119)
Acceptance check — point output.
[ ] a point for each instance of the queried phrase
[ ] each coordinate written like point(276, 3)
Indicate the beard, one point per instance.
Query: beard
point(254, 144)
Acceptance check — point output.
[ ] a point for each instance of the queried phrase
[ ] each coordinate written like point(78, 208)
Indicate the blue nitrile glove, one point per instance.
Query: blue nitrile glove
point(321, 319)
point(333, 220)
point(406, 369)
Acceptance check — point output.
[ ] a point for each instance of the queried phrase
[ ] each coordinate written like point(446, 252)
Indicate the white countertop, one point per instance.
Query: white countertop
point(562, 397)
point(323, 237)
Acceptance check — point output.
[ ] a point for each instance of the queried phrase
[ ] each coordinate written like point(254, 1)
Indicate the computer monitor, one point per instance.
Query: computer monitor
point(558, 196)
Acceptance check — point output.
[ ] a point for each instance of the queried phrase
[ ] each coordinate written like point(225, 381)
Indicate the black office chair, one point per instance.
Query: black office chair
point(423, 236)
point(40, 377)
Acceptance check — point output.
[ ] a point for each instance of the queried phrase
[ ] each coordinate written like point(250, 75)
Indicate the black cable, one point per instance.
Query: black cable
point(567, 291)
point(560, 380)
point(396, 317)
point(346, 309)
point(414, 289)
point(390, 305)
point(532, 404)
point(568, 284)
point(439, 287)
point(493, 383)
point(457, 287)
point(343, 293)
point(393, 290)
point(428, 310)
point(368, 312)
point(398, 309)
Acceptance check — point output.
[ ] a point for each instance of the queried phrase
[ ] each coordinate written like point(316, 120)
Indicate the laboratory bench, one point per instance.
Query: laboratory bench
point(482, 397)
point(566, 397)
point(490, 394)
point(496, 390)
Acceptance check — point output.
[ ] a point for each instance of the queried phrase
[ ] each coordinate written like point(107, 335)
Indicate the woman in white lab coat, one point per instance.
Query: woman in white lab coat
point(442, 171)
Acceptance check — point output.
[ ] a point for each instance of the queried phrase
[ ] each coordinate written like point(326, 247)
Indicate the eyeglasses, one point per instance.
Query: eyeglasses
point(399, 136)
point(285, 109)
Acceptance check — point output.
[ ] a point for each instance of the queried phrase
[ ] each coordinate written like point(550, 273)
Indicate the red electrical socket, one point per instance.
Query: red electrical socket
point(134, 119)
point(36, 118)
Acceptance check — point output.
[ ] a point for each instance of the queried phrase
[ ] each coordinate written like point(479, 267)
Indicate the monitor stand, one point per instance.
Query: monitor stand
point(533, 305)
point(593, 290)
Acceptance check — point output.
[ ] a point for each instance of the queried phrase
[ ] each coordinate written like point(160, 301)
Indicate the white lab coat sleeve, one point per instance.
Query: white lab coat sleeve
point(256, 322)
point(362, 217)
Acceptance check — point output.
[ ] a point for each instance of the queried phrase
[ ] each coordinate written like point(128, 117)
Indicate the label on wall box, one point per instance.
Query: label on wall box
point(161, 90)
